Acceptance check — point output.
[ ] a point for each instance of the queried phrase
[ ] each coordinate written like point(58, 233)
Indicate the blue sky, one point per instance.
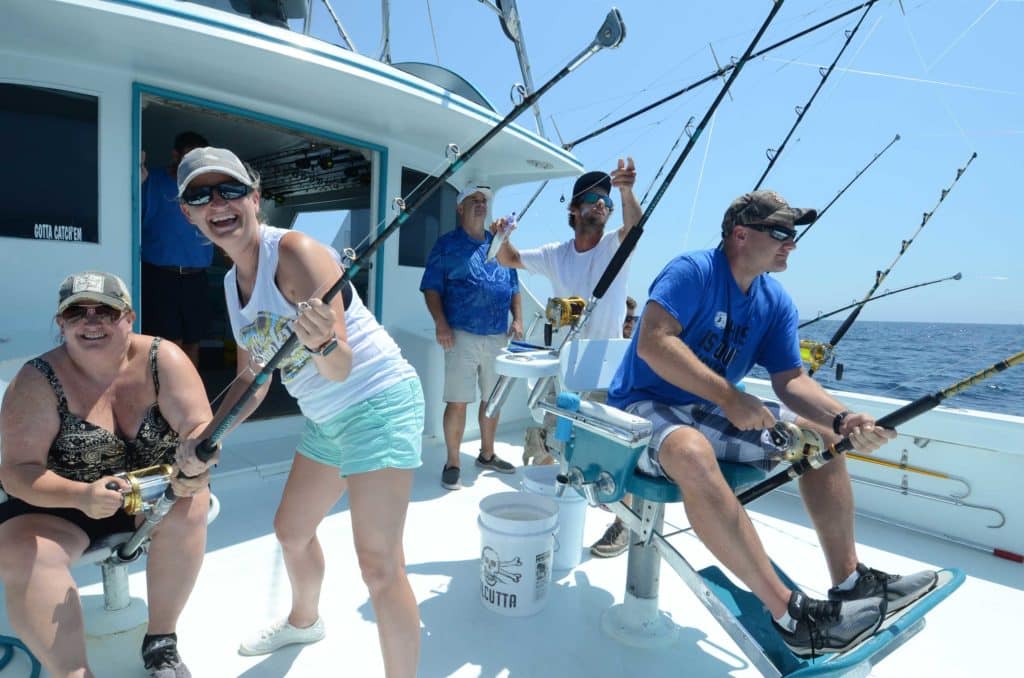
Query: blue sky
point(945, 76)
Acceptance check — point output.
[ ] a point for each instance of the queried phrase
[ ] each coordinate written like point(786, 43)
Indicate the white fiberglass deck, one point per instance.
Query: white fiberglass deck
point(243, 584)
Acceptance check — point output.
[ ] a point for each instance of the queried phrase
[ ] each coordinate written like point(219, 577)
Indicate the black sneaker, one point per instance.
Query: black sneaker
point(160, 655)
point(829, 625)
point(614, 542)
point(495, 464)
point(898, 591)
point(450, 478)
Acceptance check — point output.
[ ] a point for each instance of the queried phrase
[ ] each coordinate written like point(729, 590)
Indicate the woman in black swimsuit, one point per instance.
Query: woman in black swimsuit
point(106, 400)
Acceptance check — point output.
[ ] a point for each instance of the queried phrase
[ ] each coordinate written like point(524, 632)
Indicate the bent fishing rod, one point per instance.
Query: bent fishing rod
point(801, 111)
point(720, 73)
point(892, 420)
point(503, 387)
point(610, 35)
point(880, 276)
point(821, 213)
point(955, 276)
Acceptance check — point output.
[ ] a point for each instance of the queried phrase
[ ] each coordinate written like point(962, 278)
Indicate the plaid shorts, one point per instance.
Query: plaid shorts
point(753, 447)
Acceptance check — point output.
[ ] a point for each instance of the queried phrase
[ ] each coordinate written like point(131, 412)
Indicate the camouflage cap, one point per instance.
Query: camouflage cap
point(764, 207)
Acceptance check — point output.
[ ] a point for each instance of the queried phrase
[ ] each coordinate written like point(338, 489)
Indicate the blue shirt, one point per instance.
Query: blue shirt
point(476, 294)
point(168, 239)
point(729, 331)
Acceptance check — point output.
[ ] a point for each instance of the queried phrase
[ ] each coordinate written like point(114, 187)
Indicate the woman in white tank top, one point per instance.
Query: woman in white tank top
point(348, 376)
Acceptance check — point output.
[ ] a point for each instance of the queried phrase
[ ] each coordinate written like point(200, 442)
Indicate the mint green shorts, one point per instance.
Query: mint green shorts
point(383, 431)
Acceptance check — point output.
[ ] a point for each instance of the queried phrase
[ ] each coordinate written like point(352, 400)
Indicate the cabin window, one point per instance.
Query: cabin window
point(53, 135)
point(435, 217)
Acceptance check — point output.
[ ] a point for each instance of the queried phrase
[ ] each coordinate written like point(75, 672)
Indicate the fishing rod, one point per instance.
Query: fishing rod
point(802, 111)
point(955, 276)
point(840, 193)
point(820, 457)
point(881, 275)
point(609, 35)
point(717, 74)
point(503, 387)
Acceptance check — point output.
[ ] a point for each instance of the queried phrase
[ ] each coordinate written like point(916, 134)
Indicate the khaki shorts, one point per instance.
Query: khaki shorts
point(471, 362)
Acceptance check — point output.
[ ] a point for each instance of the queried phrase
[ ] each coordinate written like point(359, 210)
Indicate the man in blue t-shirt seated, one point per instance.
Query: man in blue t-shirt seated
point(469, 299)
point(711, 315)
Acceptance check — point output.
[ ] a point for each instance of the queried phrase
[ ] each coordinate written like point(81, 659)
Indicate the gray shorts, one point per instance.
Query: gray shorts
point(729, 443)
point(471, 362)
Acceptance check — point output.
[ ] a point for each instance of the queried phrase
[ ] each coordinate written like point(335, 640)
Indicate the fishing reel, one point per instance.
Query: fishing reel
point(794, 443)
point(147, 486)
point(561, 312)
point(815, 354)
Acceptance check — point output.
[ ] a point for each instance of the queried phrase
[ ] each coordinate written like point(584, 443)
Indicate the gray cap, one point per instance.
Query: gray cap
point(764, 207)
point(102, 288)
point(207, 160)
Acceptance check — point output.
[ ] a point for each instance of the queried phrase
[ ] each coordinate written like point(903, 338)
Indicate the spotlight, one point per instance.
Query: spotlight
point(326, 162)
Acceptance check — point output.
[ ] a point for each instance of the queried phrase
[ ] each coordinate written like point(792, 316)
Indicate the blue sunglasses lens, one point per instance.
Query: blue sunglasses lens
point(590, 198)
point(229, 190)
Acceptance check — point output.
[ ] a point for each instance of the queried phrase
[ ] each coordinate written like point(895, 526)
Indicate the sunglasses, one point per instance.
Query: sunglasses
point(632, 318)
point(780, 233)
point(202, 195)
point(103, 313)
point(590, 198)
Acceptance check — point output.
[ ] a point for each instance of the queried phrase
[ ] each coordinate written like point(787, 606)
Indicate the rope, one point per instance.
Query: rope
point(9, 644)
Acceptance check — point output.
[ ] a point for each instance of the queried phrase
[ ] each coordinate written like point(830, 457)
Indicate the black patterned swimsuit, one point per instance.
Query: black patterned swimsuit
point(86, 452)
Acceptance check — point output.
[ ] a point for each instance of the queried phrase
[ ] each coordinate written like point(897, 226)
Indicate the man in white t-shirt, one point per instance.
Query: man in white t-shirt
point(575, 266)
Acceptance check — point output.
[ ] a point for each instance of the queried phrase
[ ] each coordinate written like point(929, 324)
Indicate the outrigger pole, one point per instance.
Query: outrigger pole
point(880, 276)
point(955, 276)
point(891, 420)
point(801, 111)
point(503, 387)
point(717, 74)
point(609, 35)
point(843, 190)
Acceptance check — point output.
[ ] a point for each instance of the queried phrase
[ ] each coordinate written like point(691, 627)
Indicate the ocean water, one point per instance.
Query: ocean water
point(907, 360)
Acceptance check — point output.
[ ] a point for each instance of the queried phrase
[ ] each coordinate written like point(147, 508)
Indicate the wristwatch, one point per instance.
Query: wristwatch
point(325, 348)
point(837, 423)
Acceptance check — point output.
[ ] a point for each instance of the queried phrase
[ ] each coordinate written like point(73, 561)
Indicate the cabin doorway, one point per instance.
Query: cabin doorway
point(311, 182)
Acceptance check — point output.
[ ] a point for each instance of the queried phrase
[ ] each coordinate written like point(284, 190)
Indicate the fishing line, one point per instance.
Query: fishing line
point(700, 181)
point(822, 316)
point(960, 37)
point(908, 78)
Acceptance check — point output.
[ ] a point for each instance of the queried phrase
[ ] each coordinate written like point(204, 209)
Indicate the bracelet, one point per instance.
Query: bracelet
point(837, 423)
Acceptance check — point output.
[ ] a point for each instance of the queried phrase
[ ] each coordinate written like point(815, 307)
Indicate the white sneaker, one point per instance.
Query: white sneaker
point(279, 634)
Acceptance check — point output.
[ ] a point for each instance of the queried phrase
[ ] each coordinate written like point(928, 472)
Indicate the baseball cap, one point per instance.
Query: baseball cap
point(765, 207)
point(103, 288)
point(474, 188)
point(589, 182)
point(200, 161)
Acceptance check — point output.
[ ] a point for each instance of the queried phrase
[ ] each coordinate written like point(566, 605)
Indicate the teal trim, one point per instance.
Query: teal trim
point(456, 103)
point(382, 206)
point(139, 89)
point(136, 282)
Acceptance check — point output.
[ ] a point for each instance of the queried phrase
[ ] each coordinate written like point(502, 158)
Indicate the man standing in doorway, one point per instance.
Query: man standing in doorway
point(469, 299)
point(175, 299)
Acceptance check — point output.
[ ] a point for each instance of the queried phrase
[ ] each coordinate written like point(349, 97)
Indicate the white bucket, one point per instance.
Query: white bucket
point(572, 513)
point(517, 534)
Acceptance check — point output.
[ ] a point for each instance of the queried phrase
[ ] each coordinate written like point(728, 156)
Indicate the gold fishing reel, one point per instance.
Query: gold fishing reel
point(794, 443)
point(564, 312)
point(814, 353)
point(147, 486)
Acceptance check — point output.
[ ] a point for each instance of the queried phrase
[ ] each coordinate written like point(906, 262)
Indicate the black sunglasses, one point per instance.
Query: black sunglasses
point(202, 195)
point(780, 233)
point(103, 313)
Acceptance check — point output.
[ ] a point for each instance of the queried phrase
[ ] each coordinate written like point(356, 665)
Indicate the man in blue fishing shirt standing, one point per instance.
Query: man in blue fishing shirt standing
point(711, 316)
point(175, 256)
point(469, 299)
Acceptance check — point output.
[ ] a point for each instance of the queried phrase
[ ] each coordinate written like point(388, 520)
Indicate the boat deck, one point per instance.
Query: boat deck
point(243, 584)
